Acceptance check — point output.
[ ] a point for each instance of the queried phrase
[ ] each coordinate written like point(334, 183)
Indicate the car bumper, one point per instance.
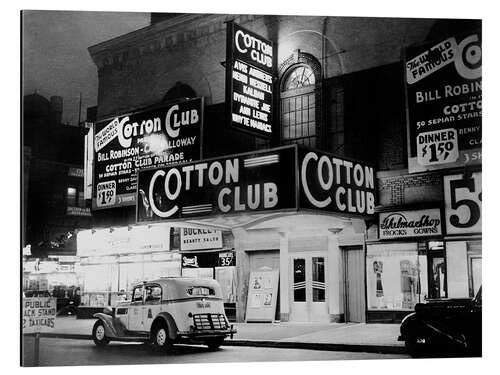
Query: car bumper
point(195, 333)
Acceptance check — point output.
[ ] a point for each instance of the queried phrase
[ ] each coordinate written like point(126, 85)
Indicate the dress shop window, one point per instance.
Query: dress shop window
point(298, 106)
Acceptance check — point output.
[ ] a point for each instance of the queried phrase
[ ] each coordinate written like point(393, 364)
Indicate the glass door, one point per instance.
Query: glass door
point(308, 288)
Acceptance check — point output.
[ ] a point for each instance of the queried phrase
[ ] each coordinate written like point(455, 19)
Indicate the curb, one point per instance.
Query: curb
point(378, 349)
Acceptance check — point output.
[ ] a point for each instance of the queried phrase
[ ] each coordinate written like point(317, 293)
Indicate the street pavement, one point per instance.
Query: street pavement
point(66, 352)
point(350, 334)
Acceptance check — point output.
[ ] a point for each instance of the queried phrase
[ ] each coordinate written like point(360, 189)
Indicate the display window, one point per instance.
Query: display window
point(475, 266)
point(396, 276)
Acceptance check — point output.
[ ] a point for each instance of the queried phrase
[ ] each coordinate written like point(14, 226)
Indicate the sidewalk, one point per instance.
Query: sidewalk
point(360, 337)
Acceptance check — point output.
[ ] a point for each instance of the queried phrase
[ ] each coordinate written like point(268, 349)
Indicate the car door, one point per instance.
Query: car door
point(135, 315)
point(152, 304)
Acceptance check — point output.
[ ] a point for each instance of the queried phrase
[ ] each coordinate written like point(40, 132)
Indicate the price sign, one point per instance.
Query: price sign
point(437, 147)
point(226, 259)
point(106, 194)
point(463, 203)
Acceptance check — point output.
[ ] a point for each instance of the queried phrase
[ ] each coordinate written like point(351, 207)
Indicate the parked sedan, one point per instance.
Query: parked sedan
point(444, 327)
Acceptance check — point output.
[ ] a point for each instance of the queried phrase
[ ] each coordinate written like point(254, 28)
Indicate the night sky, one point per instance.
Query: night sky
point(55, 56)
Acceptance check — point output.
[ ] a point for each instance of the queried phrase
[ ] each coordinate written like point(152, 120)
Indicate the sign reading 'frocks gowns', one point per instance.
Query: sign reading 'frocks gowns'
point(284, 178)
point(250, 67)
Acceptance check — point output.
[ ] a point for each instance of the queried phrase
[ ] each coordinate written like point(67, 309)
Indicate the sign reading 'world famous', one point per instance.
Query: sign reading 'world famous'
point(444, 92)
point(249, 81)
point(157, 137)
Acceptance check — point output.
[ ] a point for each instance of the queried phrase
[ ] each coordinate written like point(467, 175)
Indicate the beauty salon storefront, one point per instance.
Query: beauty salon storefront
point(295, 215)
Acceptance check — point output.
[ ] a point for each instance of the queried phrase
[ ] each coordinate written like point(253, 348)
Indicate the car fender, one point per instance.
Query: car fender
point(409, 326)
point(109, 324)
point(169, 321)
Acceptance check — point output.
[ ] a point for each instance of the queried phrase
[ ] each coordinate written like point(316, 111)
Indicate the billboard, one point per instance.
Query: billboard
point(259, 181)
point(283, 178)
point(444, 94)
point(160, 136)
point(250, 66)
point(331, 183)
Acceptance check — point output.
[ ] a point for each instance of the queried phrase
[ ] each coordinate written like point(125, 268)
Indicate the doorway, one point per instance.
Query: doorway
point(354, 284)
point(308, 292)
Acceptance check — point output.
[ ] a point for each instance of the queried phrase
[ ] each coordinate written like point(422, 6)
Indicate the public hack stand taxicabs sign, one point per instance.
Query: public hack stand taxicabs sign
point(39, 315)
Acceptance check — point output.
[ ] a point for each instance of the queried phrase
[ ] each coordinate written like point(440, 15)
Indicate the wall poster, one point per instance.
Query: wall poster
point(262, 295)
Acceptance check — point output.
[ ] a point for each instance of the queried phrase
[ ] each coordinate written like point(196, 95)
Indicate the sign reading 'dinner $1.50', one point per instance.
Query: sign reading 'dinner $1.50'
point(156, 137)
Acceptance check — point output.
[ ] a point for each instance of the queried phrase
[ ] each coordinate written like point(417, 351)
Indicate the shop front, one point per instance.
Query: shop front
point(113, 259)
point(406, 265)
point(295, 215)
point(208, 253)
point(463, 221)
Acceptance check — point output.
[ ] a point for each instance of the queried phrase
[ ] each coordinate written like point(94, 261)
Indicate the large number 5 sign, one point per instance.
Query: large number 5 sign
point(463, 198)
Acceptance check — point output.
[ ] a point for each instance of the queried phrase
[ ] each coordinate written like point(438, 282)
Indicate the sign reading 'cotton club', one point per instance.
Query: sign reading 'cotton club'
point(156, 137)
point(250, 66)
point(336, 184)
point(285, 178)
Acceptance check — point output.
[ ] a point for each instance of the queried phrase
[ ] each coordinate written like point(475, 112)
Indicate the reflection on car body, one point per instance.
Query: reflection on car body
point(167, 311)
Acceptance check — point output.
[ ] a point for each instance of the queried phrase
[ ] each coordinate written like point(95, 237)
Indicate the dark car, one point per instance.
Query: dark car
point(448, 327)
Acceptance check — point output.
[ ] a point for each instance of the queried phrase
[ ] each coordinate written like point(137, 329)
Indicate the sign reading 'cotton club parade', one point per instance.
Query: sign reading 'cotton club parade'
point(250, 67)
point(285, 178)
point(444, 92)
point(156, 137)
point(402, 224)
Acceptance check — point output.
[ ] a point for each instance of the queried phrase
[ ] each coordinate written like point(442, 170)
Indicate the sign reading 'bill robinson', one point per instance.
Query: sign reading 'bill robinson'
point(250, 66)
point(444, 92)
point(278, 179)
point(156, 137)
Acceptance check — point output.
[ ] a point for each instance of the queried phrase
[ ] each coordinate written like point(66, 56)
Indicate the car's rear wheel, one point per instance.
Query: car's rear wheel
point(214, 343)
point(160, 338)
point(99, 334)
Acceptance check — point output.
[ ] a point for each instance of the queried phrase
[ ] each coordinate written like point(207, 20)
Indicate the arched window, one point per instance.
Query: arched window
point(298, 99)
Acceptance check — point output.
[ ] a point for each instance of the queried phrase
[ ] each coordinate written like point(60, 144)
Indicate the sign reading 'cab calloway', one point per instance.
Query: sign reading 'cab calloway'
point(156, 137)
point(285, 178)
point(249, 81)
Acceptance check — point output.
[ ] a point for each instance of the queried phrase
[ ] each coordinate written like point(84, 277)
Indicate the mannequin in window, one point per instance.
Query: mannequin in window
point(378, 267)
point(408, 283)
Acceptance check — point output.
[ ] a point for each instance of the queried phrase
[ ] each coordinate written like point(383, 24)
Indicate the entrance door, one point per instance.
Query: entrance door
point(308, 288)
point(354, 284)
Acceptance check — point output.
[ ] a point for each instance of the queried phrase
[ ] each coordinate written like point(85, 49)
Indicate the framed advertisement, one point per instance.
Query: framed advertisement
point(250, 70)
point(444, 102)
point(163, 135)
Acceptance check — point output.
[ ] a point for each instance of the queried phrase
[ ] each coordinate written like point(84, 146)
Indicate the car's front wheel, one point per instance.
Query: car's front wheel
point(214, 343)
point(160, 339)
point(99, 334)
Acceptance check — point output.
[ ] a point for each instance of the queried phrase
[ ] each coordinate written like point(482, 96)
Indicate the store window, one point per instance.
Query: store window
point(396, 276)
point(71, 196)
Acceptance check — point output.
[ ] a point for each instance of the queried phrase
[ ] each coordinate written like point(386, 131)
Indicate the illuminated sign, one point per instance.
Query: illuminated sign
point(444, 94)
point(250, 67)
point(160, 136)
point(283, 178)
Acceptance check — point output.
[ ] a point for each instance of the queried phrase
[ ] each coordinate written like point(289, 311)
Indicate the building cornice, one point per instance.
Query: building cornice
point(167, 34)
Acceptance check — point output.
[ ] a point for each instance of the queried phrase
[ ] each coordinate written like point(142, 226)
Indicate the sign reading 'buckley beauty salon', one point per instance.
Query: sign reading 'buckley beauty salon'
point(285, 178)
